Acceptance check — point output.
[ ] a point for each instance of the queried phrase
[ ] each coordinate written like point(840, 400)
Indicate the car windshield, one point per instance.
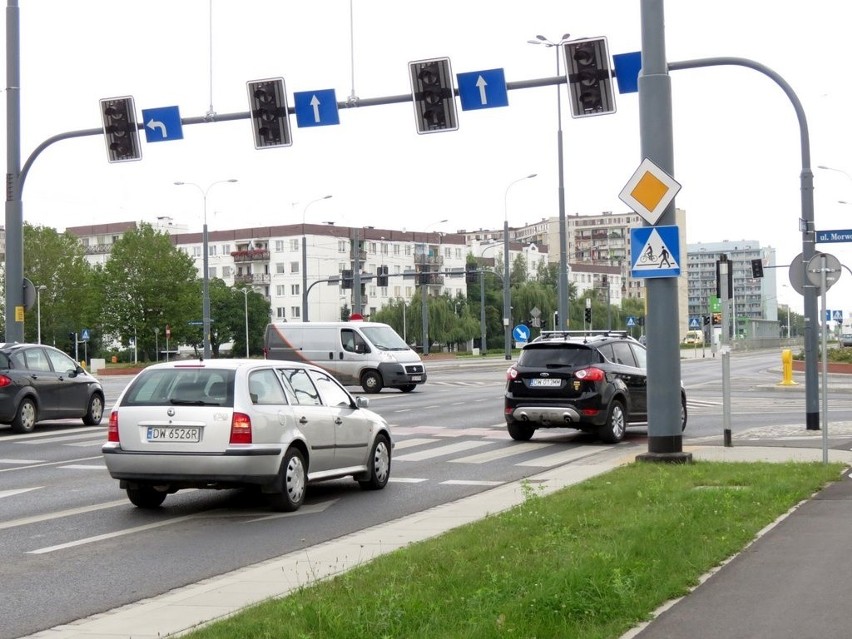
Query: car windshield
point(177, 386)
point(385, 338)
point(558, 356)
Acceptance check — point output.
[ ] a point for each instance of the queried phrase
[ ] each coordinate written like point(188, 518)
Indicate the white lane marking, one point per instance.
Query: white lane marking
point(449, 449)
point(472, 482)
point(84, 467)
point(18, 491)
point(304, 510)
point(501, 453)
point(111, 535)
point(415, 441)
point(21, 461)
point(45, 438)
point(91, 442)
point(40, 464)
point(60, 513)
point(407, 480)
point(560, 458)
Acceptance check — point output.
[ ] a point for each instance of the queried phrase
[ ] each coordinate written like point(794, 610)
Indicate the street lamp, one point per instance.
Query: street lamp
point(39, 289)
point(831, 168)
point(507, 337)
point(305, 259)
point(245, 295)
point(205, 278)
point(563, 230)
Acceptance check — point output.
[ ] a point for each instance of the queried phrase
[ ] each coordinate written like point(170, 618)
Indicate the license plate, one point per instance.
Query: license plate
point(416, 378)
point(545, 382)
point(174, 434)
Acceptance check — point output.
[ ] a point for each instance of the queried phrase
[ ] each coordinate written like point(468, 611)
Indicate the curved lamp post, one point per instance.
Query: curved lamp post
point(205, 278)
point(507, 307)
point(305, 258)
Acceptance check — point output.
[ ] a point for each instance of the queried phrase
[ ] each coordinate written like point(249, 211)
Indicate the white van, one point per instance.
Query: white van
point(368, 354)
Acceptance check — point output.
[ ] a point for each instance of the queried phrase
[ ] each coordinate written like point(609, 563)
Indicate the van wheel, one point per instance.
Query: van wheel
point(371, 382)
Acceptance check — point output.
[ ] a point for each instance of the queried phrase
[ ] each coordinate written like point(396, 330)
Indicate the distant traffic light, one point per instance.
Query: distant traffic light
point(382, 276)
point(757, 268)
point(706, 320)
point(470, 273)
point(433, 95)
point(270, 118)
point(346, 279)
point(424, 278)
point(120, 130)
point(588, 315)
point(589, 77)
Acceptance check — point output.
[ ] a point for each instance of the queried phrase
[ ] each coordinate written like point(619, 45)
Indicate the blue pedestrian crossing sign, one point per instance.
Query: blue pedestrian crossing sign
point(631, 321)
point(654, 251)
point(162, 124)
point(694, 323)
point(482, 89)
point(84, 336)
point(316, 108)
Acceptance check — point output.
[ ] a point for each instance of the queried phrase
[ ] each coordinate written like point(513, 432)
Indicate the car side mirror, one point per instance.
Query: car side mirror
point(362, 402)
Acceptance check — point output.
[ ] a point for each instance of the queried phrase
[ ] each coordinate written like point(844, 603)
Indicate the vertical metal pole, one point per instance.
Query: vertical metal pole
point(38, 311)
point(823, 286)
point(14, 206)
point(356, 275)
point(304, 274)
point(482, 347)
point(665, 439)
point(424, 312)
point(245, 295)
point(507, 310)
point(205, 284)
point(562, 283)
point(724, 266)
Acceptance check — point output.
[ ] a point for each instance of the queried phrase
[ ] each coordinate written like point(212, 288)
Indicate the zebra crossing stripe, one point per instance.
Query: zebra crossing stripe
point(501, 453)
point(440, 451)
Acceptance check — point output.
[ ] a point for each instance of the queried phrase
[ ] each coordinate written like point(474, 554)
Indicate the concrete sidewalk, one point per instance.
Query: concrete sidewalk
point(788, 562)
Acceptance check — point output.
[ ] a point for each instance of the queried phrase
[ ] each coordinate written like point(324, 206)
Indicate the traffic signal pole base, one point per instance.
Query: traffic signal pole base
point(812, 421)
point(665, 450)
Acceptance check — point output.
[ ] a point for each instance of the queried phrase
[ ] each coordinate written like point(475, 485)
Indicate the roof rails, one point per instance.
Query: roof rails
point(585, 335)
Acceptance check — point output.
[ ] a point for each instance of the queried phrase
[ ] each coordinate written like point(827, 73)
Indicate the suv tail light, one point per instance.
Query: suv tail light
point(4, 380)
point(240, 429)
point(112, 430)
point(511, 373)
point(590, 374)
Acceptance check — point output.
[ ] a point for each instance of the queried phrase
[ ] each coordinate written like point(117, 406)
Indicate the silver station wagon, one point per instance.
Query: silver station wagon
point(234, 423)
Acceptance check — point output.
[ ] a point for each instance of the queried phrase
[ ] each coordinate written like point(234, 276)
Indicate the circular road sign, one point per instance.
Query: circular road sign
point(823, 264)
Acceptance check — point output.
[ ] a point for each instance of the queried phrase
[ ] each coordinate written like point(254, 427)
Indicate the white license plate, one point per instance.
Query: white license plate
point(549, 382)
point(416, 378)
point(190, 434)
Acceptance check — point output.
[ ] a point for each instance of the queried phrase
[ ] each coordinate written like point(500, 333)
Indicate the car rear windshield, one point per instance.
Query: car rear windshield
point(553, 356)
point(181, 386)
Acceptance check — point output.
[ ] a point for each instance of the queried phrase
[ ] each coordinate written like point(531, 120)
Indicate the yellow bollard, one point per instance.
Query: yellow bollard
point(787, 368)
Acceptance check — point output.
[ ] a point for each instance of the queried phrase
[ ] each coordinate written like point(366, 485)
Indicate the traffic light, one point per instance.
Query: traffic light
point(588, 315)
point(382, 276)
point(423, 278)
point(470, 273)
point(346, 281)
point(433, 95)
point(757, 268)
point(120, 130)
point(706, 320)
point(556, 325)
point(270, 118)
point(589, 77)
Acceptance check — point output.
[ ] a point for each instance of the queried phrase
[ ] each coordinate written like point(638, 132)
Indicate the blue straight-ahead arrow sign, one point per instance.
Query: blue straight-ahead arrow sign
point(482, 89)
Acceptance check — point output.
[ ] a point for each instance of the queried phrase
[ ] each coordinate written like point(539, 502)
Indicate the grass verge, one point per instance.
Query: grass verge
point(589, 561)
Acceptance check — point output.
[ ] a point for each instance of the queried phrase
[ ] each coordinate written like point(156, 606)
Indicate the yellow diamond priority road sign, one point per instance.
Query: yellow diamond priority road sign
point(649, 191)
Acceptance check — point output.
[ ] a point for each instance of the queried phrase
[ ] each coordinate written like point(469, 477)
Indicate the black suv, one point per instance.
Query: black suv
point(594, 381)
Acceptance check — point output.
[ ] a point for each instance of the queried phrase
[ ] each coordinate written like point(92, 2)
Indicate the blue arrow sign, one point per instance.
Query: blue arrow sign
point(834, 236)
point(654, 251)
point(482, 89)
point(521, 333)
point(162, 124)
point(316, 108)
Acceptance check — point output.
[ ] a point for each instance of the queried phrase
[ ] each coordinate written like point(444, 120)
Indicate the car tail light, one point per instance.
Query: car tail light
point(590, 374)
point(112, 430)
point(240, 429)
point(5, 381)
point(511, 373)
point(589, 412)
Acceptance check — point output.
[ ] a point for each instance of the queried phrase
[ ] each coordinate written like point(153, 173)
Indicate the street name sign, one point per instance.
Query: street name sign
point(834, 236)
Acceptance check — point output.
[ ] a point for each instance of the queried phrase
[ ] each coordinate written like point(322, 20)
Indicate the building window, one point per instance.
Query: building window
point(211, 272)
point(294, 246)
point(279, 246)
point(396, 249)
point(295, 312)
point(294, 289)
point(280, 267)
point(226, 249)
point(408, 249)
point(196, 251)
point(294, 267)
point(211, 249)
point(281, 312)
point(281, 290)
point(227, 271)
point(342, 246)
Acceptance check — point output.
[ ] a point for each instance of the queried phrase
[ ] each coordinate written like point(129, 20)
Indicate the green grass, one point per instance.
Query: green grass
point(590, 561)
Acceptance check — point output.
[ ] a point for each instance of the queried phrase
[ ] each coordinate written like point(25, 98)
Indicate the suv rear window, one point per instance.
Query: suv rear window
point(556, 355)
point(170, 386)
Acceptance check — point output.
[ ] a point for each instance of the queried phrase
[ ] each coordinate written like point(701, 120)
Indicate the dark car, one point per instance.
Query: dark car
point(592, 381)
point(39, 382)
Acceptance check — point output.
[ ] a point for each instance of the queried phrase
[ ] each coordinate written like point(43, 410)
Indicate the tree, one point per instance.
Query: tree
point(146, 284)
point(228, 307)
point(70, 300)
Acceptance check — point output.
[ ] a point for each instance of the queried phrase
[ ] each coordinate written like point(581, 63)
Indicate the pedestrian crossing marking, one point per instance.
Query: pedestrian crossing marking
point(441, 451)
point(560, 458)
point(501, 453)
point(414, 441)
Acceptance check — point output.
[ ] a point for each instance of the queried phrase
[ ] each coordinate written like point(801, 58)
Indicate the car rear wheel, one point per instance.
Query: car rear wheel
point(407, 388)
point(683, 414)
point(95, 411)
point(371, 382)
point(612, 431)
point(379, 463)
point(146, 497)
point(520, 432)
point(293, 482)
point(25, 418)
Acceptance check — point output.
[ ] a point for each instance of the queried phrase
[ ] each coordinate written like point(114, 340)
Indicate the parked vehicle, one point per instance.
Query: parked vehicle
point(233, 423)
point(368, 354)
point(593, 381)
point(846, 339)
point(694, 337)
point(39, 382)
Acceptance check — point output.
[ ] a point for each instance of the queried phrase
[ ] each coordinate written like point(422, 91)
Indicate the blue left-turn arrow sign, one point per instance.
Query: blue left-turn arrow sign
point(316, 108)
point(482, 89)
point(162, 124)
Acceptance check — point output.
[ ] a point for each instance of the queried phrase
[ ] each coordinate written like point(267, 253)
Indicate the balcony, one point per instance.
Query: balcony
point(253, 278)
point(252, 255)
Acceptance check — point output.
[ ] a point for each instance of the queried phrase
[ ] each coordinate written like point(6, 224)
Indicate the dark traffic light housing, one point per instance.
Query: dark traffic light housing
point(346, 279)
point(433, 95)
point(470, 273)
point(587, 68)
point(382, 276)
point(588, 315)
point(121, 132)
point(757, 268)
point(270, 117)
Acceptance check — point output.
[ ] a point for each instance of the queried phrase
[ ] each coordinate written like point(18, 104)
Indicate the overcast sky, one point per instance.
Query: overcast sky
point(736, 138)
